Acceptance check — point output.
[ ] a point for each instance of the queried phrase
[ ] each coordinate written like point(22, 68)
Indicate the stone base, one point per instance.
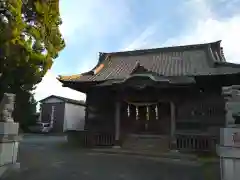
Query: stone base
point(9, 128)
point(158, 143)
point(173, 145)
point(9, 141)
point(229, 162)
point(3, 170)
point(117, 144)
point(7, 169)
point(8, 153)
point(76, 137)
point(116, 147)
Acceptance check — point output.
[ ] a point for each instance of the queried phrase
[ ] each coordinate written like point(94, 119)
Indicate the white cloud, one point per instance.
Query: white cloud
point(93, 17)
point(213, 30)
point(142, 40)
point(203, 26)
point(51, 86)
point(207, 27)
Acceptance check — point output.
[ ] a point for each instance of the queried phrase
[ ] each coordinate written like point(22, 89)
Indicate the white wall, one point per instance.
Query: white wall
point(74, 117)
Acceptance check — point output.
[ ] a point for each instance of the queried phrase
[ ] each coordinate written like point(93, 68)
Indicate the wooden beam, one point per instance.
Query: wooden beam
point(173, 125)
point(117, 124)
point(173, 119)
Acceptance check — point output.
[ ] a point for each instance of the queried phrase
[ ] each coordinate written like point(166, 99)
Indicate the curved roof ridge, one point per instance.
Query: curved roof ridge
point(167, 48)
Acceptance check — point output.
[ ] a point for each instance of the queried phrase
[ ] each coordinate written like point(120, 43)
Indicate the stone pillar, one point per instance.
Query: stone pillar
point(232, 105)
point(9, 139)
point(173, 125)
point(229, 153)
point(117, 124)
point(229, 147)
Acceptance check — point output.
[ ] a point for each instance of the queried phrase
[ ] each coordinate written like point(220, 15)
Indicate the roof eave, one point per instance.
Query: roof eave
point(227, 64)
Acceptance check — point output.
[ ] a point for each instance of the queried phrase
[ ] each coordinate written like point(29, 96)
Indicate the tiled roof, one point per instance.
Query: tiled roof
point(68, 100)
point(189, 60)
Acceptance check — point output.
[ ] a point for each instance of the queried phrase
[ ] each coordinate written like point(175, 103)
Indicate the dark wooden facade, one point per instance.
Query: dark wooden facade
point(173, 91)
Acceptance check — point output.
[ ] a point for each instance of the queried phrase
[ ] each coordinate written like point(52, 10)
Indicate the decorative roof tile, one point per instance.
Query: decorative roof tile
point(71, 77)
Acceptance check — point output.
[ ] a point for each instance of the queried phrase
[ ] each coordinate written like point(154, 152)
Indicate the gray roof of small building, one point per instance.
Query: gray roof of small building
point(67, 100)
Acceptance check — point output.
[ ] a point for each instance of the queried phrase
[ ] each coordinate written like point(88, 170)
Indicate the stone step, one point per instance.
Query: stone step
point(147, 153)
point(141, 142)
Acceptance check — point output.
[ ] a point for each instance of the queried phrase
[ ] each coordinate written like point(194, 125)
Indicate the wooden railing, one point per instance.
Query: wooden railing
point(104, 139)
point(185, 142)
point(196, 142)
point(99, 139)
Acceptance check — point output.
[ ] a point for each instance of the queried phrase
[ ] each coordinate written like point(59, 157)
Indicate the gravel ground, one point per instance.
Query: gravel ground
point(46, 158)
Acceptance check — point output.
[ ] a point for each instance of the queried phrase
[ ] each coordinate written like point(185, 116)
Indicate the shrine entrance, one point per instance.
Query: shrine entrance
point(146, 118)
point(145, 112)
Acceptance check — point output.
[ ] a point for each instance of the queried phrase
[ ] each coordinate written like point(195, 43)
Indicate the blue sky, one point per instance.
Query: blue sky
point(93, 26)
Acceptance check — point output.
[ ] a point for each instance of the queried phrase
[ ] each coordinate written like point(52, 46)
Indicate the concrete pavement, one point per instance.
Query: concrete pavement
point(44, 158)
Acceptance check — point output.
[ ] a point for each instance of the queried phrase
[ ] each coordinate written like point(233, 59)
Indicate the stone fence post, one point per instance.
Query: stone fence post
point(9, 138)
point(229, 147)
point(232, 103)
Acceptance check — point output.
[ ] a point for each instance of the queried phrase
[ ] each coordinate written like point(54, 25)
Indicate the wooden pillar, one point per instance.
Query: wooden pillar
point(173, 125)
point(117, 124)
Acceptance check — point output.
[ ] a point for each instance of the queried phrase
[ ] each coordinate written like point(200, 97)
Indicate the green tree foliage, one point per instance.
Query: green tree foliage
point(30, 40)
point(25, 110)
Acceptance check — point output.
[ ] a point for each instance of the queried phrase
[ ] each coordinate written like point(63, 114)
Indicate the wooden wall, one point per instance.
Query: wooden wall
point(205, 112)
point(100, 110)
point(194, 110)
point(58, 115)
